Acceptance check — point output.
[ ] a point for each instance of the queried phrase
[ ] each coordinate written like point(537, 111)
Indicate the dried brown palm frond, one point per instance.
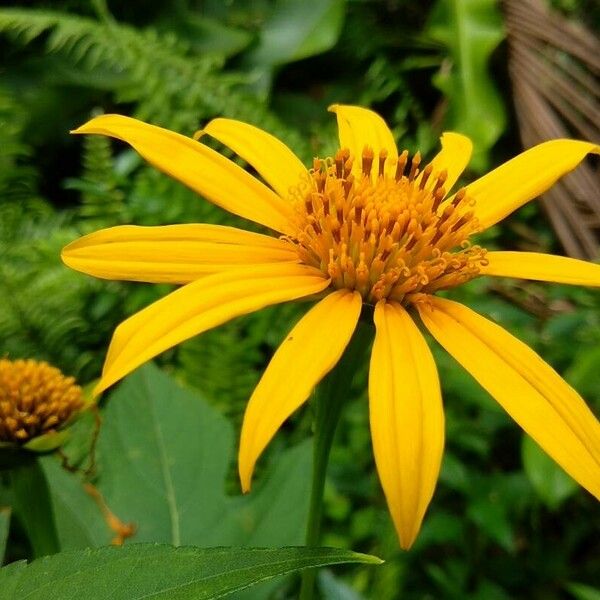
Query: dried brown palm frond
point(554, 65)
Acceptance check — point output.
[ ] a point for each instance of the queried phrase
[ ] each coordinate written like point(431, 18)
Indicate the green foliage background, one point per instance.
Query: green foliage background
point(504, 523)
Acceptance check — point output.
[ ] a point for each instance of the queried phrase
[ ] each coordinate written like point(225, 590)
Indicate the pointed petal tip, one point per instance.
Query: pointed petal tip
point(406, 543)
point(407, 533)
point(245, 475)
point(79, 130)
point(89, 126)
point(65, 251)
point(457, 137)
point(198, 134)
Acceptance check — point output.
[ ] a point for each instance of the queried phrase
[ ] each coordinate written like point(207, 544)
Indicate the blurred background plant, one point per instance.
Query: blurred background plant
point(505, 522)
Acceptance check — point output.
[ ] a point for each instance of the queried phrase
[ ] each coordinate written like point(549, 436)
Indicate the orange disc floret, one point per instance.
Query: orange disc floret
point(386, 234)
point(35, 398)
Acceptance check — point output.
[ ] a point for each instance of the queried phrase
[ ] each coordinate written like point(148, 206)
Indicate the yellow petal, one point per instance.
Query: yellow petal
point(525, 177)
point(359, 127)
point(205, 171)
point(542, 267)
point(532, 393)
point(199, 306)
point(407, 418)
point(173, 253)
point(271, 158)
point(453, 157)
point(308, 353)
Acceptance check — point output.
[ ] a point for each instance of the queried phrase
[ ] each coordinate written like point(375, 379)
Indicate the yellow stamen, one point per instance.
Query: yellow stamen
point(385, 236)
point(35, 398)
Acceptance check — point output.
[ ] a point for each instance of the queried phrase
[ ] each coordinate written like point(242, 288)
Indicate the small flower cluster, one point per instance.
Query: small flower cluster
point(35, 399)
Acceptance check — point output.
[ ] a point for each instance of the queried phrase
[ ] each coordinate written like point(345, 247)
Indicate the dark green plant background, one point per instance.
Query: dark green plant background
point(504, 523)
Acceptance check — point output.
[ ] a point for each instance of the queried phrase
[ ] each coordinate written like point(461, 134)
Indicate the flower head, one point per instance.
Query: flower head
point(35, 399)
point(368, 226)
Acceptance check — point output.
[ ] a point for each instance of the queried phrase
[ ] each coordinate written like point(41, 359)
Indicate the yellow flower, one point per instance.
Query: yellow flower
point(367, 227)
point(36, 399)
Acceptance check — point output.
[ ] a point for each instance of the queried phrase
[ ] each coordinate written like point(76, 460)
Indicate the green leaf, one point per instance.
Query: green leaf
point(441, 528)
point(207, 35)
point(160, 571)
point(470, 30)
point(489, 514)
point(551, 483)
point(333, 588)
point(584, 372)
point(162, 458)
point(296, 30)
point(583, 592)
point(32, 506)
point(4, 525)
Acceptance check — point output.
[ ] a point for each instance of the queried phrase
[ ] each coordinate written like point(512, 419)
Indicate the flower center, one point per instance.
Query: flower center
point(385, 232)
point(35, 398)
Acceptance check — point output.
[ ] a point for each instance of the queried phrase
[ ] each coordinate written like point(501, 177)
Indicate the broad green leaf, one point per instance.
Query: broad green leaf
point(469, 31)
point(4, 525)
point(296, 30)
point(161, 571)
point(163, 455)
point(551, 483)
point(206, 35)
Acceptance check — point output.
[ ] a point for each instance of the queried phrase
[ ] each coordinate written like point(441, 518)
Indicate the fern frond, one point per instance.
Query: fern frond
point(171, 85)
point(18, 180)
point(103, 202)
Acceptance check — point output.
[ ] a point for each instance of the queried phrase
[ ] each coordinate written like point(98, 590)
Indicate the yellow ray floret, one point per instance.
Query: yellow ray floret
point(172, 253)
point(532, 393)
point(541, 267)
point(453, 158)
point(407, 418)
point(525, 177)
point(359, 128)
point(200, 306)
point(306, 355)
point(271, 158)
point(200, 168)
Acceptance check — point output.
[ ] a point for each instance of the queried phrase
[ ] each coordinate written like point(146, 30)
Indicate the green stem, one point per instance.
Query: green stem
point(329, 399)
